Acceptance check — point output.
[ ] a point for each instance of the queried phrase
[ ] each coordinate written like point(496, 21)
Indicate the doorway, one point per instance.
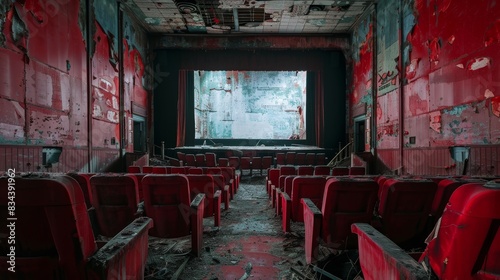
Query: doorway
point(139, 134)
point(359, 134)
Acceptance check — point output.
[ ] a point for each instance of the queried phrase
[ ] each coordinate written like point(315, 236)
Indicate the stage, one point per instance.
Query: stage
point(250, 151)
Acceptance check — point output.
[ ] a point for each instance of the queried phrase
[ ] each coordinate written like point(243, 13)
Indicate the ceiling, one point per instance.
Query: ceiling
point(248, 16)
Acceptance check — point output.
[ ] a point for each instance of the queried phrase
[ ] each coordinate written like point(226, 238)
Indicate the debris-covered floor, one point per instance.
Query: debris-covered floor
point(250, 244)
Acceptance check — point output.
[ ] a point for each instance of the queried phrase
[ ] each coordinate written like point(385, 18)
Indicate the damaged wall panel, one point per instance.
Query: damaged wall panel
point(44, 101)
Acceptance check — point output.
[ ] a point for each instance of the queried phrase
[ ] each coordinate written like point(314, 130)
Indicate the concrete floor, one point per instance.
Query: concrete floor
point(249, 244)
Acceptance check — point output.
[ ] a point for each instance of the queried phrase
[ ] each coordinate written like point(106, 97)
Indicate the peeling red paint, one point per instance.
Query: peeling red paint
point(478, 63)
point(411, 69)
point(495, 106)
point(435, 121)
point(417, 104)
point(434, 50)
point(492, 35)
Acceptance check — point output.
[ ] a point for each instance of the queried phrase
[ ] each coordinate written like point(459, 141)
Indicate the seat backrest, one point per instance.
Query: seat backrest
point(445, 188)
point(190, 160)
point(210, 160)
point(346, 201)
point(267, 162)
point(200, 160)
point(147, 169)
point(288, 184)
point(228, 173)
point(219, 181)
point(203, 184)
point(244, 163)
point(310, 158)
point(405, 205)
point(357, 170)
point(167, 201)
point(274, 176)
point(288, 170)
point(290, 158)
point(234, 162)
point(159, 170)
point(320, 158)
point(212, 170)
point(340, 171)
point(83, 180)
point(134, 169)
point(53, 235)
point(181, 156)
point(115, 199)
point(178, 170)
point(322, 170)
point(305, 170)
point(256, 162)
point(311, 187)
point(280, 159)
point(468, 240)
point(195, 170)
point(300, 159)
point(222, 162)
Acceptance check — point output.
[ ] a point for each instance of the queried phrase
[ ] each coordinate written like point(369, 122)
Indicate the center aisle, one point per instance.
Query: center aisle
point(250, 242)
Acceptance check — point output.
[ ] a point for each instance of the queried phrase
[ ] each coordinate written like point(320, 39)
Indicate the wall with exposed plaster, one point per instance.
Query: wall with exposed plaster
point(449, 88)
point(44, 100)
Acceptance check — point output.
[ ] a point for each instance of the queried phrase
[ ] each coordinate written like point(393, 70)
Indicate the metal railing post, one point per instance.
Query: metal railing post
point(163, 150)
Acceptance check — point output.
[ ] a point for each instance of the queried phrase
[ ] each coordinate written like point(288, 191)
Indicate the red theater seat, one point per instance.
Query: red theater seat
point(245, 164)
point(311, 187)
point(160, 170)
point(320, 159)
point(223, 162)
point(230, 178)
point(167, 200)
point(54, 238)
point(284, 170)
point(445, 189)
point(200, 160)
point(273, 177)
point(181, 156)
point(290, 158)
point(345, 201)
point(357, 170)
point(234, 162)
point(310, 158)
point(280, 159)
point(190, 160)
point(116, 201)
point(179, 169)
point(300, 159)
point(267, 162)
point(147, 169)
point(220, 184)
point(466, 244)
point(205, 184)
point(340, 171)
point(286, 188)
point(134, 169)
point(210, 160)
point(256, 165)
point(322, 170)
point(305, 170)
point(195, 170)
point(212, 170)
point(404, 207)
point(83, 180)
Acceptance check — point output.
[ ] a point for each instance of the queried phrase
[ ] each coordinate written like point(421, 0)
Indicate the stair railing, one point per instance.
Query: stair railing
point(344, 153)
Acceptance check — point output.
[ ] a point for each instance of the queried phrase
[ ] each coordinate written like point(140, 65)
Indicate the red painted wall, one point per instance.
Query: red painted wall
point(451, 85)
point(44, 96)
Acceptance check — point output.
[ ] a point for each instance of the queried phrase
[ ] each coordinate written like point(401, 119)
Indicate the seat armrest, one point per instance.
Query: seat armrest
point(129, 246)
point(380, 258)
point(233, 188)
point(286, 211)
point(278, 201)
point(140, 210)
point(273, 195)
point(312, 225)
point(225, 197)
point(217, 202)
point(197, 206)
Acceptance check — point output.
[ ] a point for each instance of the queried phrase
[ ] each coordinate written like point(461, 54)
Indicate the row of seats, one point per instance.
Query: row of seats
point(407, 207)
point(256, 163)
point(54, 238)
point(465, 243)
point(230, 177)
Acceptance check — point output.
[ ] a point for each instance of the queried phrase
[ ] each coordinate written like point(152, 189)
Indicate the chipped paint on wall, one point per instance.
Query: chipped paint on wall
point(435, 121)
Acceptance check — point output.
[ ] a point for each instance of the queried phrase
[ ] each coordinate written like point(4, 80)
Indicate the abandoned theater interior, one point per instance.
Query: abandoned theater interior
point(249, 139)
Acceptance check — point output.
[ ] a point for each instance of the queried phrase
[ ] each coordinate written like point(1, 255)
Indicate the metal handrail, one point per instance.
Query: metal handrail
point(343, 153)
point(162, 149)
